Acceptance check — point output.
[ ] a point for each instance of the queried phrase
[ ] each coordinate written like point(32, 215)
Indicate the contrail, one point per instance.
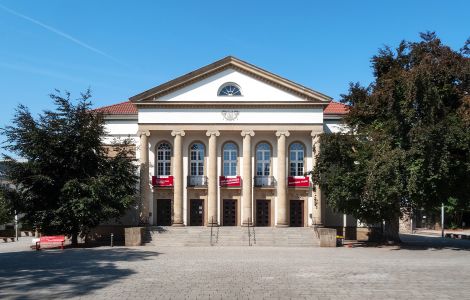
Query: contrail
point(60, 33)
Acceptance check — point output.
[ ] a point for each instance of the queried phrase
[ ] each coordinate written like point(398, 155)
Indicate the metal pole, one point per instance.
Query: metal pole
point(411, 220)
point(112, 239)
point(442, 219)
point(16, 226)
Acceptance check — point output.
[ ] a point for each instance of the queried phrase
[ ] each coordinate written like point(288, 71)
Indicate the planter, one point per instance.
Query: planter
point(327, 237)
point(134, 236)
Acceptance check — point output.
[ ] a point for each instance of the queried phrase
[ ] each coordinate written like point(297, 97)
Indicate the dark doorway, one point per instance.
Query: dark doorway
point(296, 213)
point(262, 212)
point(196, 212)
point(230, 212)
point(164, 212)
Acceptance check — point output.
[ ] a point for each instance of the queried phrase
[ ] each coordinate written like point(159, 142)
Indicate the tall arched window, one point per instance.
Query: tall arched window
point(296, 157)
point(263, 159)
point(197, 159)
point(230, 159)
point(163, 159)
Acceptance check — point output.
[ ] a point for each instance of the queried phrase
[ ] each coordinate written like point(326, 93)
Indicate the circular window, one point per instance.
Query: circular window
point(229, 89)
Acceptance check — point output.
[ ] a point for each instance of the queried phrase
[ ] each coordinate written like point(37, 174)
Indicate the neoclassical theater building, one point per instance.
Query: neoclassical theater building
point(228, 144)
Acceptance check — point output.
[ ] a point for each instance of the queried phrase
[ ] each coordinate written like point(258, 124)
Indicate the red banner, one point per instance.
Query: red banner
point(162, 181)
point(229, 181)
point(298, 181)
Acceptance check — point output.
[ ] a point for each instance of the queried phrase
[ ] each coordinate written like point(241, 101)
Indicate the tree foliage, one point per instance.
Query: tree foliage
point(69, 183)
point(409, 144)
point(6, 214)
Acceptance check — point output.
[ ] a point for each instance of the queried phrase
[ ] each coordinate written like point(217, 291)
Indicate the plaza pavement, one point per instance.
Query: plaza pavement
point(424, 268)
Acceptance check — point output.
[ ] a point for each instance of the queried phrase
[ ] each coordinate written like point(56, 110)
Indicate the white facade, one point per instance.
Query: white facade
point(266, 109)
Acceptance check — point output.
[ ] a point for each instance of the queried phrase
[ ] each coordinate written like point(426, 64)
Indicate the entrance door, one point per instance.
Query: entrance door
point(262, 212)
point(296, 213)
point(230, 212)
point(163, 212)
point(196, 212)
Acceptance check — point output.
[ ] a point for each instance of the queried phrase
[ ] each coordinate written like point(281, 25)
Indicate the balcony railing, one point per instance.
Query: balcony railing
point(162, 181)
point(264, 181)
point(197, 181)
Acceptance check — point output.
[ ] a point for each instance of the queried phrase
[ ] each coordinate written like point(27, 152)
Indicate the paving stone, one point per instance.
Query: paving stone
point(152, 272)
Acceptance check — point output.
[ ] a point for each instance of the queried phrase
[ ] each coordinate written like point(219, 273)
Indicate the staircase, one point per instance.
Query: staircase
point(231, 236)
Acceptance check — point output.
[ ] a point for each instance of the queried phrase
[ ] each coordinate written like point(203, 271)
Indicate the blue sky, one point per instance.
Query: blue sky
point(121, 48)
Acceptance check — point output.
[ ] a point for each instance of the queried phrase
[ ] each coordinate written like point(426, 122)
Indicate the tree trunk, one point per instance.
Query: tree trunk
point(74, 239)
point(391, 231)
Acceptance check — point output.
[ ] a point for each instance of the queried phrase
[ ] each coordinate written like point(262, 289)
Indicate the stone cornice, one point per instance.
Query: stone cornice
point(232, 105)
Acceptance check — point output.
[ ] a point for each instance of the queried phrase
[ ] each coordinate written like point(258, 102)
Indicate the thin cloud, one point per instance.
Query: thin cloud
point(60, 33)
point(44, 72)
point(38, 71)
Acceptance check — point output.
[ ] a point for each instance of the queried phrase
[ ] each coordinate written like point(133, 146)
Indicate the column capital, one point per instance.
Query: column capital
point(144, 132)
point(212, 132)
point(247, 132)
point(315, 134)
point(282, 132)
point(178, 132)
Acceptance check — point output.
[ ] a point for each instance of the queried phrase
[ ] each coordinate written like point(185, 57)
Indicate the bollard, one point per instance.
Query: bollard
point(112, 239)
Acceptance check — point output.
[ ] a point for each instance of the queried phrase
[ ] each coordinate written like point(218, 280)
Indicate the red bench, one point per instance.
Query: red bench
point(57, 240)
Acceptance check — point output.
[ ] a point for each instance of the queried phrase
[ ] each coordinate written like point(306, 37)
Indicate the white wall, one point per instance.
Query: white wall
point(252, 90)
point(245, 116)
point(120, 129)
point(334, 126)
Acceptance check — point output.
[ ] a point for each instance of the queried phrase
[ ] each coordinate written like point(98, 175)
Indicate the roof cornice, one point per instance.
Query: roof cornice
point(211, 104)
point(229, 62)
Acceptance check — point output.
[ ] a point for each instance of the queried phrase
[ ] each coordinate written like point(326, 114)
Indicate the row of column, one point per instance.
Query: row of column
point(178, 188)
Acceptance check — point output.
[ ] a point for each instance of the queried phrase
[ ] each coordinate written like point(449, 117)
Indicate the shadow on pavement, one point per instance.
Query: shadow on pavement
point(62, 274)
point(420, 242)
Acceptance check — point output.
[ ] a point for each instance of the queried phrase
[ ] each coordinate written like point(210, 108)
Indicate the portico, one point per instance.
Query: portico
point(252, 172)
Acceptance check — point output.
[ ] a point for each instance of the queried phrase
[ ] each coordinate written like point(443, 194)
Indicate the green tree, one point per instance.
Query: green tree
point(68, 183)
point(409, 145)
point(6, 215)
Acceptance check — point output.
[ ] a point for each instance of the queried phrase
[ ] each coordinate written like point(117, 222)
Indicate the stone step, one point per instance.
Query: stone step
point(231, 236)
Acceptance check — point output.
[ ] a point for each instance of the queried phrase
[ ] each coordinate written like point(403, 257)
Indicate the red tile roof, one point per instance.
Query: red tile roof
point(124, 108)
point(336, 108)
point(127, 108)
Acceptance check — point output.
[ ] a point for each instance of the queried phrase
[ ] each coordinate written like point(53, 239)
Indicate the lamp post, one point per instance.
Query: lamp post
point(442, 219)
point(16, 225)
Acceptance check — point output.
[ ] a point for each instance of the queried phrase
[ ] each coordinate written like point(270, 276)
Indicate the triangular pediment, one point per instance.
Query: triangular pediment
point(256, 85)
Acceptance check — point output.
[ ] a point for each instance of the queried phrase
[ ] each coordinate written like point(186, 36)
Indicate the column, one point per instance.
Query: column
point(282, 201)
point(247, 178)
point(317, 197)
point(178, 177)
point(145, 195)
point(212, 178)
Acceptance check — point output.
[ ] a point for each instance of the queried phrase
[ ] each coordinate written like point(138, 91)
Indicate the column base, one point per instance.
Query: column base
point(282, 225)
point(178, 225)
point(245, 224)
